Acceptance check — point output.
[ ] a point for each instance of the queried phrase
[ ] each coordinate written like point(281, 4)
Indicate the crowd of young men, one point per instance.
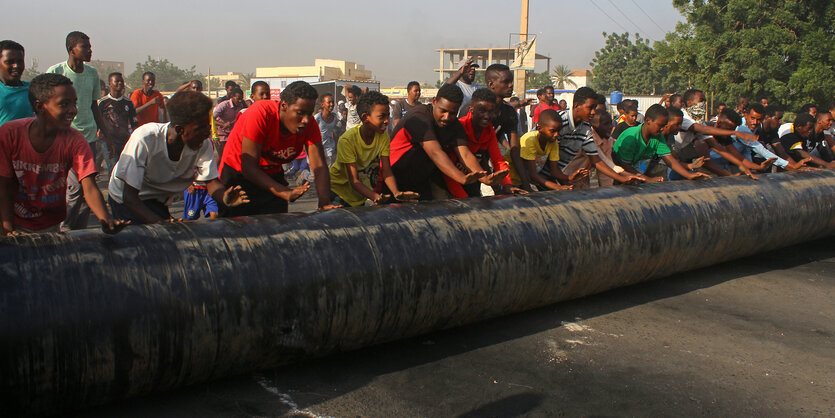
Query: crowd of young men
point(467, 141)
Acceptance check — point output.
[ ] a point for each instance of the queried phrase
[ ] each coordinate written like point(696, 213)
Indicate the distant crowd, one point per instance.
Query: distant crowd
point(238, 156)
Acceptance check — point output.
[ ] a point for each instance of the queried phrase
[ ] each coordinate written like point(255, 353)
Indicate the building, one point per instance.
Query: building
point(326, 75)
point(449, 59)
point(221, 79)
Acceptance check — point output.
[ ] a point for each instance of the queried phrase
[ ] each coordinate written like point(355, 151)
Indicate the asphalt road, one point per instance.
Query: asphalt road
point(752, 337)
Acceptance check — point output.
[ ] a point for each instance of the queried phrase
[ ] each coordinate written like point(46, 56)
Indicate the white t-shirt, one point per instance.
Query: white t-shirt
point(686, 136)
point(468, 90)
point(145, 166)
point(784, 129)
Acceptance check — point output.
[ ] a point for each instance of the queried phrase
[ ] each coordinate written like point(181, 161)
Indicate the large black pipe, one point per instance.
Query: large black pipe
point(89, 318)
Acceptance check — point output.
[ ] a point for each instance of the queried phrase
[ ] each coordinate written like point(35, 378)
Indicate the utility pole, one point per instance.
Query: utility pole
point(520, 75)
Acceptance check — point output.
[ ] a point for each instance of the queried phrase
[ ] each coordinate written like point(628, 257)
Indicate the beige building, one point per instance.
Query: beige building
point(220, 79)
point(321, 70)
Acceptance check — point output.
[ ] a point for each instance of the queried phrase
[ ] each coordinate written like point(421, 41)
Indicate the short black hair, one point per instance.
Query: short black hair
point(583, 94)
point(450, 92)
point(298, 90)
point(675, 97)
point(620, 104)
point(412, 84)
point(355, 90)
point(229, 83)
point(114, 74)
point(807, 107)
point(368, 100)
point(731, 115)
point(822, 115)
point(492, 71)
point(259, 83)
point(549, 115)
point(513, 99)
point(674, 112)
point(719, 104)
point(772, 110)
point(630, 106)
point(11, 45)
point(802, 119)
point(690, 93)
point(548, 87)
point(74, 37)
point(146, 73)
point(188, 107)
point(326, 95)
point(236, 90)
point(757, 107)
point(601, 99)
point(41, 87)
point(601, 116)
point(655, 111)
point(485, 95)
point(540, 92)
point(199, 84)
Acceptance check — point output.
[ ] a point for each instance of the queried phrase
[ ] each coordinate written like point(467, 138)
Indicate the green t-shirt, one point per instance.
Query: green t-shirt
point(351, 149)
point(88, 90)
point(14, 102)
point(631, 148)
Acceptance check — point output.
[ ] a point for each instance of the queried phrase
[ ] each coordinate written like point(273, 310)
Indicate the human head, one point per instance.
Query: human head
point(196, 85)
point(742, 103)
point(236, 95)
point(585, 102)
point(12, 62)
point(482, 106)
point(804, 124)
point(630, 113)
point(674, 118)
point(53, 98)
point(677, 101)
point(824, 122)
point(693, 97)
point(729, 119)
point(353, 94)
point(754, 116)
point(764, 101)
point(601, 104)
point(149, 80)
point(655, 119)
point(548, 95)
point(298, 101)
point(719, 107)
point(550, 123)
point(563, 104)
point(373, 108)
point(187, 111)
point(260, 90)
point(468, 74)
point(327, 103)
point(78, 46)
point(773, 118)
point(446, 103)
point(810, 108)
point(229, 85)
point(499, 78)
point(413, 91)
point(116, 82)
point(602, 123)
point(514, 101)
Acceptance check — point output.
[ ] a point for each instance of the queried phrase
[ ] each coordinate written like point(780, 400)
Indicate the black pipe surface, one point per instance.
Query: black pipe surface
point(88, 318)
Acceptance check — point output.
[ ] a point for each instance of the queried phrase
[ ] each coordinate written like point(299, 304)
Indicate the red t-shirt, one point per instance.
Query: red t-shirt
point(41, 178)
point(483, 147)
point(260, 124)
point(542, 106)
point(150, 113)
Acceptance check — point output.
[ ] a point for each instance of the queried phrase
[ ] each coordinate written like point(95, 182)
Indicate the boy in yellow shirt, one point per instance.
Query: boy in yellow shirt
point(362, 153)
point(543, 142)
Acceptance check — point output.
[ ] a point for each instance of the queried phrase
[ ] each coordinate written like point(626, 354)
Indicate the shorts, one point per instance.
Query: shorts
point(197, 202)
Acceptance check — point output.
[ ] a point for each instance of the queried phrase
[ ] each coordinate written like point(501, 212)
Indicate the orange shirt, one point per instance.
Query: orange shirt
point(150, 113)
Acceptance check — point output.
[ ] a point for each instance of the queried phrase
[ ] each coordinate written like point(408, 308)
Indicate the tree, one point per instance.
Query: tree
point(103, 69)
point(246, 79)
point(625, 65)
point(31, 71)
point(561, 76)
point(781, 49)
point(168, 75)
point(537, 80)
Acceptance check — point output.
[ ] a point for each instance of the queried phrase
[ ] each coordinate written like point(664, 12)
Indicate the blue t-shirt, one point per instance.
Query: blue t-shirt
point(14, 102)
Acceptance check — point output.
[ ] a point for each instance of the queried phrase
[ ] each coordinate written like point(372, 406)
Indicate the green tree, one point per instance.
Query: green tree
point(246, 80)
point(168, 75)
point(561, 77)
point(781, 49)
point(625, 65)
point(537, 80)
point(103, 69)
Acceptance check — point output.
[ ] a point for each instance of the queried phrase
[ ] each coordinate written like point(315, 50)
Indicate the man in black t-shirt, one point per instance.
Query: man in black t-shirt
point(118, 116)
point(499, 80)
point(801, 141)
point(422, 142)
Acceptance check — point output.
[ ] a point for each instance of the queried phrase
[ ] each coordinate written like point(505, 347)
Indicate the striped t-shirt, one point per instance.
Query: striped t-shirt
point(574, 138)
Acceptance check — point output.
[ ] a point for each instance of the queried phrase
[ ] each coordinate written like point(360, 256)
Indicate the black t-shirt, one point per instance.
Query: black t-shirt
point(412, 167)
point(792, 139)
point(506, 122)
point(118, 117)
point(619, 129)
point(770, 136)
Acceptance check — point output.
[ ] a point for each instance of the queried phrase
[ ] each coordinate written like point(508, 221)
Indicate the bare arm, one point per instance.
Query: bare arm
point(142, 108)
point(530, 166)
point(680, 169)
point(442, 161)
point(94, 199)
point(722, 150)
point(457, 75)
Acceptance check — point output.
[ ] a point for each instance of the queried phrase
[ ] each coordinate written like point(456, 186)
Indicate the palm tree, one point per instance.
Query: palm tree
point(560, 77)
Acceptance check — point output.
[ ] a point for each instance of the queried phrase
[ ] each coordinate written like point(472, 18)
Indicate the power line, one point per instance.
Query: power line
point(625, 16)
point(649, 17)
point(607, 15)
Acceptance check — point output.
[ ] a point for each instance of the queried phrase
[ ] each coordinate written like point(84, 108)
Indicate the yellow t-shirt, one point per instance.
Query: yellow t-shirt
point(352, 149)
point(529, 149)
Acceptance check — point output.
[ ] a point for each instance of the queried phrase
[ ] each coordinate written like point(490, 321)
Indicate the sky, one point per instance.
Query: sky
point(394, 39)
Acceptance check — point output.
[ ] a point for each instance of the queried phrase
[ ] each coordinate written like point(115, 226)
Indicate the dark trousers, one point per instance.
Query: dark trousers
point(121, 211)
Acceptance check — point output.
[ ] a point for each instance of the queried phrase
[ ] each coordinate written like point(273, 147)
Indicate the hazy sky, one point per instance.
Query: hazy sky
point(394, 39)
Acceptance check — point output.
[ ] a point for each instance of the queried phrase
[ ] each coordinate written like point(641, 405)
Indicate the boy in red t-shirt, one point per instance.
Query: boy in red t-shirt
point(483, 143)
point(35, 156)
point(147, 101)
point(268, 135)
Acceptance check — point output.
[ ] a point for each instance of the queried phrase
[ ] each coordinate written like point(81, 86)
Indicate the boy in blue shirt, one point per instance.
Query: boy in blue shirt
point(14, 93)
